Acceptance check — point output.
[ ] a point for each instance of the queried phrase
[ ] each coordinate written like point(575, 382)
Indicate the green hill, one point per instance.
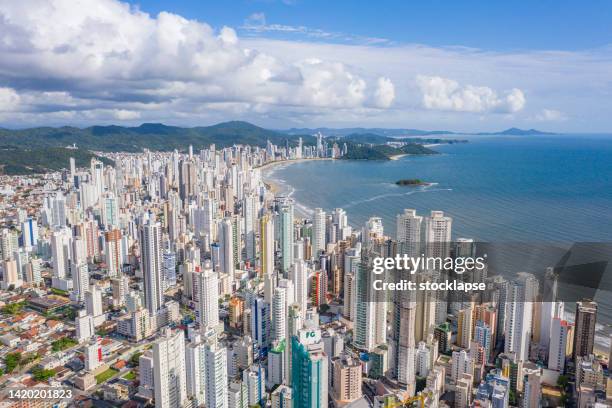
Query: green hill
point(17, 161)
point(383, 152)
point(154, 136)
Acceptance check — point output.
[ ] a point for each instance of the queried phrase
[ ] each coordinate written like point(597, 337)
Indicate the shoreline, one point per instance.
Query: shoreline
point(273, 187)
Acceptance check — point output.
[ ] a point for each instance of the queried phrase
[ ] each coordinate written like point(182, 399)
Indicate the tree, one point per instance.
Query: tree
point(134, 360)
point(41, 374)
point(11, 361)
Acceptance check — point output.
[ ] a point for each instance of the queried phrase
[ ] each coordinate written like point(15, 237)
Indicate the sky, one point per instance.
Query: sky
point(463, 66)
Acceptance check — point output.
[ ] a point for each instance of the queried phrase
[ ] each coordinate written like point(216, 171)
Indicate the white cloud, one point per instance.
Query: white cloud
point(385, 93)
point(83, 62)
point(255, 20)
point(109, 56)
point(446, 94)
point(9, 99)
point(550, 115)
point(123, 114)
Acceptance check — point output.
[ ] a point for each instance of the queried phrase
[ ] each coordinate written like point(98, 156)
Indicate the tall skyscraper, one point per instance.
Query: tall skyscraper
point(519, 310)
point(409, 232)
point(438, 234)
point(80, 280)
point(169, 370)
point(113, 252)
point(283, 297)
point(318, 232)
point(60, 252)
point(584, 331)
point(266, 243)
point(226, 246)
point(286, 234)
point(299, 276)
point(151, 265)
point(250, 218)
point(216, 376)
point(558, 344)
point(207, 306)
point(371, 310)
point(309, 370)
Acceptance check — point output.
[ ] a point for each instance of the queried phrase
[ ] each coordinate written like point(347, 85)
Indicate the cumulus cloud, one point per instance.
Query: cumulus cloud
point(111, 57)
point(550, 115)
point(9, 99)
point(124, 114)
point(446, 94)
point(385, 93)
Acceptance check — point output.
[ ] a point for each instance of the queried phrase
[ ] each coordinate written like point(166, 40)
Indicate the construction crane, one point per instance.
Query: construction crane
point(407, 402)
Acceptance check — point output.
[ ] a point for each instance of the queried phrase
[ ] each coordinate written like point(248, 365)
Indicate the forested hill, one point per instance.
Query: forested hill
point(22, 161)
point(154, 136)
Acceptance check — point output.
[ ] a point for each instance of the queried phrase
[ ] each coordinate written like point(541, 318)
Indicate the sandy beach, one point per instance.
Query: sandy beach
point(271, 185)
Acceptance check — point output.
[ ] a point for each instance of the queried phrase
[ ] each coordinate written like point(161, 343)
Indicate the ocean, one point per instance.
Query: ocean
point(544, 188)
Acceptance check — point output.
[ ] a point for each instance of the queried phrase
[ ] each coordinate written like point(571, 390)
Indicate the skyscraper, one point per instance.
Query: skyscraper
point(226, 245)
point(409, 232)
point(169, 370)
point(309, 370)
point(584, 331)
point(318, 232)
point(438, 234)
point(283, 297)
point(286, 234)
point(113, 252)
point(207, 290)
point(250, 217)
point(558, 344)
point(151, 265)
point(266, 244)
point(216, 375)
point(519, 306)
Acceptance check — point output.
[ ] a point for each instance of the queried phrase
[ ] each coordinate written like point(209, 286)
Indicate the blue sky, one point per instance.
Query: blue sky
point(493, 25)
point(458, 65)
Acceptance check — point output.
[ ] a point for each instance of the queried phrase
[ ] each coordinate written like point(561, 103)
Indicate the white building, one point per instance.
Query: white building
point(169, 370)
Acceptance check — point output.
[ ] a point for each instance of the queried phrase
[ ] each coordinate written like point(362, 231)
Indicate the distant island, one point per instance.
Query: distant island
point(383, 151)
point(399, 133)
point(518, 132)
point(411, 182)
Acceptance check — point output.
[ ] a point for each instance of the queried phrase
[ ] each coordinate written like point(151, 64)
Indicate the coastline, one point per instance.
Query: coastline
point(273, 187)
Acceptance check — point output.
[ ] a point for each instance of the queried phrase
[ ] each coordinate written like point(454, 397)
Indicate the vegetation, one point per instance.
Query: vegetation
point(377, 138)
point(11, 361)
point(134, 360)
point(106, 375)
point(130, 376)
point(410, 182)
point(12, 309)
point(18, 160)
point(154, 136)
point(383, 152)
point(63, 344)
point(58, 292)
point(421, 383)
point(414, 148)
point(41, 374)
point(16, 359)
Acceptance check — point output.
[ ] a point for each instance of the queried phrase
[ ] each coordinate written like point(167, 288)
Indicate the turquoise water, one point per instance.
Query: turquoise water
point(496, 188)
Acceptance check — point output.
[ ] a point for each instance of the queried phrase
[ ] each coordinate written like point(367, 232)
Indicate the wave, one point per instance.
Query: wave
point(378, 197)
